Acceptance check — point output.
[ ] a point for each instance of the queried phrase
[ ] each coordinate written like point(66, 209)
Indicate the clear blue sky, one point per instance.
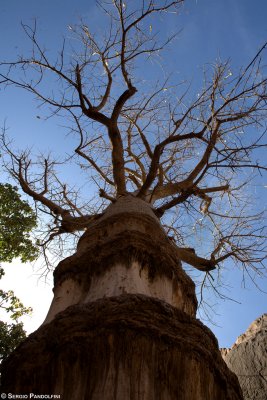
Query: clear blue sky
point(210, 29)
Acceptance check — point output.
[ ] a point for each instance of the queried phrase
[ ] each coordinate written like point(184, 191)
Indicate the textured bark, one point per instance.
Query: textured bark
point(248, 360)
point(127, 347)
point(122, 323)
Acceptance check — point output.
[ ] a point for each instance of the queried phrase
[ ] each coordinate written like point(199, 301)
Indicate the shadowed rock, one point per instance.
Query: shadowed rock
point(248, 360)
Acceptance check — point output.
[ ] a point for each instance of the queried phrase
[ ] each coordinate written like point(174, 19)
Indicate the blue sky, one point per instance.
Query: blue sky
point(210, 29)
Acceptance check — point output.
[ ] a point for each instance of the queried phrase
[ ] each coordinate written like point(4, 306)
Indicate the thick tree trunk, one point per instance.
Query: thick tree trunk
point(122, 323)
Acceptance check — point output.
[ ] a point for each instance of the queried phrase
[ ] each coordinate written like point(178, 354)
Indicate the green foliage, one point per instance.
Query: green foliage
point(10, 337)
point(11, 334)
point(11, 303)
point(17, 220)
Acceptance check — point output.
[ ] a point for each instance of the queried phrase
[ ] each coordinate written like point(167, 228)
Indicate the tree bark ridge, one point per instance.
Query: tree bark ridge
point(116, 348)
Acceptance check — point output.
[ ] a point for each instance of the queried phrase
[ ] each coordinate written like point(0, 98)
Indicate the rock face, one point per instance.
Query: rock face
point(248, 360)
point(122, 324)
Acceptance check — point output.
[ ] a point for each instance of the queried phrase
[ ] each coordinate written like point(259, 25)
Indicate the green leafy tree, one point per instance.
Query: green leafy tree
point(17, 219)
point(11, 303)
point(11, 335)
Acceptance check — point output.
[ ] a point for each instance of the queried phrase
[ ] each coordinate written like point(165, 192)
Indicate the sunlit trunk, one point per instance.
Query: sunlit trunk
point(122, 322)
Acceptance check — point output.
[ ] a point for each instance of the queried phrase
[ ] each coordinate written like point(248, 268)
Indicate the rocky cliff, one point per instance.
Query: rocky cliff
point(247, 358)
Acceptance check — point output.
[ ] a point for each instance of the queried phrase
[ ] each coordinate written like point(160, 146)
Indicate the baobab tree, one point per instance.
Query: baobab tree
point(122, 322)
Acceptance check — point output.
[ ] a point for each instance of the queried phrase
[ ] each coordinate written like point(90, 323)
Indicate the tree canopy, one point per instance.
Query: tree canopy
point(189, 156)
point(17, 220)
point(11, 335)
